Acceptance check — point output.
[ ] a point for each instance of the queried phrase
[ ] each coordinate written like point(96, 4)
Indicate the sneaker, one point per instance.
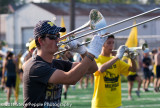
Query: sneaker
point(151, 84)
point(129, 97)
point(146, 90)
point(155, 90)
point(15, 103)
point(138, 93)
point(6, 103)
point(158, 89)
point(80, 87)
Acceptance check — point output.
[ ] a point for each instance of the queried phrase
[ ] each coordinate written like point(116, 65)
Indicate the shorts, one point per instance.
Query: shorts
point(147, 73)
point(152, 74)
point(11, 81)
point(157, 71)
point(132, 77)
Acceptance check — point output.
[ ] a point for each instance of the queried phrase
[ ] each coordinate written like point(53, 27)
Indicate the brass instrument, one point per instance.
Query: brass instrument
point(98, 24)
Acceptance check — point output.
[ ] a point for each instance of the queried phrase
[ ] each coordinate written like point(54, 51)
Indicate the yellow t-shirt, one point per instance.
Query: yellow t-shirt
point(154, 69)
point(107, 88)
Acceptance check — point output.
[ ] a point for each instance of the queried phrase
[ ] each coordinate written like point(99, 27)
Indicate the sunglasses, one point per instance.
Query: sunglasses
point(53, 37)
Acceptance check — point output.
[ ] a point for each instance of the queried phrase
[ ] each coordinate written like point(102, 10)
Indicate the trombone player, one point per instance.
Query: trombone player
point(43, 76)
point(107, 90)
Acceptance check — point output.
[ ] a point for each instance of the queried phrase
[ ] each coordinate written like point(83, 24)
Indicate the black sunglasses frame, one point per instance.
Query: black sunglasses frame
point(53, 37)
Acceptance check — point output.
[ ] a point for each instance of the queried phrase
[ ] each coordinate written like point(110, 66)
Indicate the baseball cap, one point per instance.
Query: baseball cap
point(47, 27)
point(146, 50)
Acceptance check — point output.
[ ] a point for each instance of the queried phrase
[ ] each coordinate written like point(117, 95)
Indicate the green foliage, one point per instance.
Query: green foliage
point(4, 5)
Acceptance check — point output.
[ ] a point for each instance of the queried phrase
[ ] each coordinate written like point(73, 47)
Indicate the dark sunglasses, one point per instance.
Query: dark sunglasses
point(53, 37)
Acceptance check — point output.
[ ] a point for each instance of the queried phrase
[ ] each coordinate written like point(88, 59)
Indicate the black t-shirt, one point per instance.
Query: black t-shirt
point(147, 61)
point(11, 68)
point(37, 91)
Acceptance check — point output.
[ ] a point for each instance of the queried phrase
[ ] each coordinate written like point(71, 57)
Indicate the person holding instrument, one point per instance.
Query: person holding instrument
point(107, 80)
point(43, 76)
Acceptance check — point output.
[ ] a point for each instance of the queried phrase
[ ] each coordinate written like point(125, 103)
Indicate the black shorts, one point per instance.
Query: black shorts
point(147, 73)
point(11, 81)
point(157, 71)
point(132, 77)
point(152, 74)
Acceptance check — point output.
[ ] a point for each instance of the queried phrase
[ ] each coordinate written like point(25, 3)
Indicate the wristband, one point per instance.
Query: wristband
point(90, 57)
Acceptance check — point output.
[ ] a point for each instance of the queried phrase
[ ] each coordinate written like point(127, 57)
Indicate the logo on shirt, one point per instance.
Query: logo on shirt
point(111, 80)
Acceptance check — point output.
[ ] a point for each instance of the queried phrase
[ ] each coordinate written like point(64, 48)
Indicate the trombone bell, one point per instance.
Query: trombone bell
point(97, 21)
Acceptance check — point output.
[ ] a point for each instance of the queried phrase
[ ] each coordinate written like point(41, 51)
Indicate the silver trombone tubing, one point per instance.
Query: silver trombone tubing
point(109, 26)
point(143, 47)
point(59, 52)
point(86, 25)
point(154, 18)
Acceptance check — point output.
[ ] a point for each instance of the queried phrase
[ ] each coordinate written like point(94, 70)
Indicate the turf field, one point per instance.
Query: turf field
point(81, 98)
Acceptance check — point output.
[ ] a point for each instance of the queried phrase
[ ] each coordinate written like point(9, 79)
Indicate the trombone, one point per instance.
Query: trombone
point(132, 49)
point(97, 30)
point(96, 21)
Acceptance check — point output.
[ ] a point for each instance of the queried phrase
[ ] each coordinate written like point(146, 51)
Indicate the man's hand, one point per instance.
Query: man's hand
point(74, 46)
point(96, 44)
point(121, 51)
point(131, 54)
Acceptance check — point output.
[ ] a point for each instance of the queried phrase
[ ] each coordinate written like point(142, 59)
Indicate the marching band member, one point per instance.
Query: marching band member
point(107, 90)
point(43, 76)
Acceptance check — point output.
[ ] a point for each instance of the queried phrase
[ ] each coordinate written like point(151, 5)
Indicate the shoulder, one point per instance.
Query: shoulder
point(33, 63)
point(36, 67)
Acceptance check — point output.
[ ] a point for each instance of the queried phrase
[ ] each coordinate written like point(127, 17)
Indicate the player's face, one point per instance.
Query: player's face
point(109, 45)
point(51, 43)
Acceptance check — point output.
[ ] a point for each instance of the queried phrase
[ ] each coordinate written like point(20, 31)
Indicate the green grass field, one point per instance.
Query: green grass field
point(81, 98)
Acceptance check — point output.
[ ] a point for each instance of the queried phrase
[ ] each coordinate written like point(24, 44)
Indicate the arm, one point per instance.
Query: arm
point(157, 59)
point(93, 67)
point(3, 70)
point(16, 62)
point(133, 68)
point(108, 64)
point(71, 77)
point(119, 55)
point(74, 75)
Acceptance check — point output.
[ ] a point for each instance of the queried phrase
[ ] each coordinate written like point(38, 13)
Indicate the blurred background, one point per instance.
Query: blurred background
point(18, 18)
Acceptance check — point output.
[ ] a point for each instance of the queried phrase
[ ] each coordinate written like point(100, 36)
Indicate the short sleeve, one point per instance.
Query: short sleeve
point(62, 65)
point(123, 67)
point(67, 65)
point(41, 72)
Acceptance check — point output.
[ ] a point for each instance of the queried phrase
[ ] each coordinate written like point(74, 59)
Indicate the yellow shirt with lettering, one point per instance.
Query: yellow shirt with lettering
point(107, 88)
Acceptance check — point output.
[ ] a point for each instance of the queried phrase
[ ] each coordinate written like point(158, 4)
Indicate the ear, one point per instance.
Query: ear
point(40, 41)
